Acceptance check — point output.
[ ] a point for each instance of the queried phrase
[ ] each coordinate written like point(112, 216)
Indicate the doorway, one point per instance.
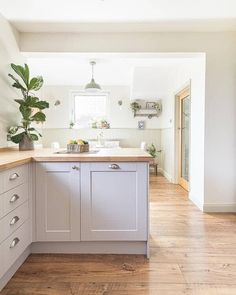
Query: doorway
point(184, 119)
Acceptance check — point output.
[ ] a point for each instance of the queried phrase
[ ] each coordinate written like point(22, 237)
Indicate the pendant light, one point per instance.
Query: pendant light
point(92, 85)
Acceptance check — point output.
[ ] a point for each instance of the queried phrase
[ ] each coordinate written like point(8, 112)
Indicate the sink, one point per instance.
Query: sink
point(76, 153)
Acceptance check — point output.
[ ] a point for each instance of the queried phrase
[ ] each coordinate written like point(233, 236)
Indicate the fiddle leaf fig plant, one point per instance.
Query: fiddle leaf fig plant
point(30, 106)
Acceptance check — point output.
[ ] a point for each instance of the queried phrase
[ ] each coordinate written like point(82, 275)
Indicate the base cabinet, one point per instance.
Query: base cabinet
point(114, 201)
point(91, 201)
point(57, 202)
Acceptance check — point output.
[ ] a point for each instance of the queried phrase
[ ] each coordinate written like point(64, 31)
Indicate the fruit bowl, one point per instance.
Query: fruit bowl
point(78, 146)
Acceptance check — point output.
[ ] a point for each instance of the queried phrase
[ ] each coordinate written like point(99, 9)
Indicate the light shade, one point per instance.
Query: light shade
point(92, 85)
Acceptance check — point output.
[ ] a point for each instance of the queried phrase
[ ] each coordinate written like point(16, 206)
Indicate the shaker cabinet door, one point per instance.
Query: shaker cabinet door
point(57, 201)
point(114, 200)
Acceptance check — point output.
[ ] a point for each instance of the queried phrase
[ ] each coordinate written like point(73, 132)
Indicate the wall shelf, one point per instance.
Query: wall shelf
point(147, 109)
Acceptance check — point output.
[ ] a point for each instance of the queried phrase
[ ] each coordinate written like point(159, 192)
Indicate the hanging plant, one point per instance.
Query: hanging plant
point(31, 107)
point(135, 107)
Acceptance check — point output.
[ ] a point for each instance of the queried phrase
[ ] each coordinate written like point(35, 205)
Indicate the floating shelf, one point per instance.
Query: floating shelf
point(148, 109)
point(147, 113)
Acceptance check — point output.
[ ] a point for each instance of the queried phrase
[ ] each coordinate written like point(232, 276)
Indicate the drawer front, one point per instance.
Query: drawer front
point(14, 198)
point(13, 220)
point(14, 177)
point(113, 166)
point(15, 245)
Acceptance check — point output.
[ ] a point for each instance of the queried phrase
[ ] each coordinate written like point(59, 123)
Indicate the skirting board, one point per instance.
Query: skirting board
point(212, 207)
point(8, 275)
point(196, 201)
point(227, 208)
point(167, 175)
point(90, 247)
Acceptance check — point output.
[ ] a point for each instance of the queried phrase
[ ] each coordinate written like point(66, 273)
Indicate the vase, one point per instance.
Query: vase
point(26, 144)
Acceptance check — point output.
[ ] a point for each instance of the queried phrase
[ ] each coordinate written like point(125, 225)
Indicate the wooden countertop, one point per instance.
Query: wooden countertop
point(11, 157)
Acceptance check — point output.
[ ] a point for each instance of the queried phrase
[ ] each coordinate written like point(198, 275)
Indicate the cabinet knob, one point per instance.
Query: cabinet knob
point(114, 166)
point(14, 176)
point(75, 168)
point(14, 198)
point(14, 242)
point(14, 220)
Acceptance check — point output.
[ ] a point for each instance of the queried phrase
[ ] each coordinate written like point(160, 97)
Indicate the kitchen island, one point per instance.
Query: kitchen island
point(72, 203)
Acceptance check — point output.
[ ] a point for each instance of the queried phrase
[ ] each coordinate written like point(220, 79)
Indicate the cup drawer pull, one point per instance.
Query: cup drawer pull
point(14, 220)
point(14, 242)
point(14, 176)
point(114, 166)
point(14, 198)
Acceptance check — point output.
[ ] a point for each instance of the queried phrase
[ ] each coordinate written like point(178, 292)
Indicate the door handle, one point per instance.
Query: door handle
point(114, 166)
point(75, 168)
point(14, 242)
point(14, 220)
point(14, 176)
point(14, 198)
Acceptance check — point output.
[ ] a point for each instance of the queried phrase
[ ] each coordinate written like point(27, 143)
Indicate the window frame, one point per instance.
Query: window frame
point(85, 93)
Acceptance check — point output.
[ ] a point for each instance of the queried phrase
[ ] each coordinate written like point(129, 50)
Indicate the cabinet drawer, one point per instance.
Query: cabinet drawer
point(14, 198)
point(14, 177)
point(15, 245)
point(113, 166)
point(13, 220)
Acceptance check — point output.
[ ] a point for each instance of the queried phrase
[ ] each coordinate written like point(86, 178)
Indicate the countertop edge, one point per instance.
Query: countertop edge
point(25, 160)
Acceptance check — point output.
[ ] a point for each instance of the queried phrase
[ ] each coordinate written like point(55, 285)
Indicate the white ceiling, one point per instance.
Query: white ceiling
point(120, 15)
point(113, 69)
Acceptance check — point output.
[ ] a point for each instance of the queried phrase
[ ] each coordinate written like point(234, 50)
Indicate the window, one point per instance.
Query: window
point(89, 108)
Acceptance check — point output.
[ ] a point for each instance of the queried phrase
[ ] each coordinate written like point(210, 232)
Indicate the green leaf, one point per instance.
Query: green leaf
point(13, 129)
point(33, 136)
point(38, 117)
point(42, 105)
point(25, 111)
point(17, 84)
point(36, 83)
point(20, 101)
point(33, 129)
point(31, 100)
point(27, 74)
point(22, 72)
point(17, 138)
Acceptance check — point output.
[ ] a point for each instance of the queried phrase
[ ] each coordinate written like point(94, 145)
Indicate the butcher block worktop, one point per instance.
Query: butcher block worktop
point(11, 157)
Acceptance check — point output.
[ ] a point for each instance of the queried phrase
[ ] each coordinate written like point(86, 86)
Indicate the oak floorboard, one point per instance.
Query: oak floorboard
point(192, 253)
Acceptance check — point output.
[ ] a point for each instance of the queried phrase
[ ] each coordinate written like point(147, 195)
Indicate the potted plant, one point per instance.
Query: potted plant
point(152, 150)
point(135, 106)
point(157, 106)
point(30, 107)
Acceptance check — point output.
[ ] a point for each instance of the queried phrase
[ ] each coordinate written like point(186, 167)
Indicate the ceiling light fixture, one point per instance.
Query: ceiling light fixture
point(92, 85)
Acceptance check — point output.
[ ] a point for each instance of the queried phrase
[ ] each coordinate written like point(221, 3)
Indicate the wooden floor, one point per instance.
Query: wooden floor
point(191, 253)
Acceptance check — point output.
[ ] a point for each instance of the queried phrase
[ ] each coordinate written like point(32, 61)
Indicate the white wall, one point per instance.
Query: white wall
point(217, 164)
point(123, 124)
point(60, 116)
point(195, 72)
point(9, 52)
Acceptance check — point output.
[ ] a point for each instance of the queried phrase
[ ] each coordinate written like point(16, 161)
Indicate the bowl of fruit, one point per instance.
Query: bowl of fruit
point(78, 146)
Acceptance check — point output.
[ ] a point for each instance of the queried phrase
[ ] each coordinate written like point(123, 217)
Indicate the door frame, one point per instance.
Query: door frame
point(187, 185)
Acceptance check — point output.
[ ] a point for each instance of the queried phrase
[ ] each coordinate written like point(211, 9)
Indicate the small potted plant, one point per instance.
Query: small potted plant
point(30, 107)
point(152, 150)
point(135, 107)
point(104, 124)
point(157, 106)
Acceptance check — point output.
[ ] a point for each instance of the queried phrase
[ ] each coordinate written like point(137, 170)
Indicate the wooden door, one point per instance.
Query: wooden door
point(114, 201)
point(58, 202)
point(184, 137)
